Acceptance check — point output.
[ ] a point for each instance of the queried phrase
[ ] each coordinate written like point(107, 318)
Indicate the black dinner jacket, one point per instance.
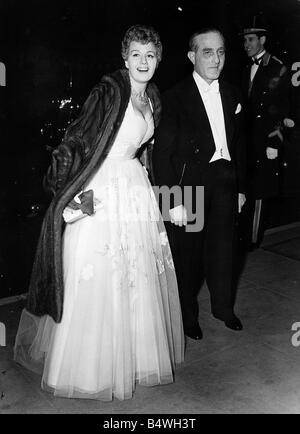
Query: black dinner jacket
point(184, 141)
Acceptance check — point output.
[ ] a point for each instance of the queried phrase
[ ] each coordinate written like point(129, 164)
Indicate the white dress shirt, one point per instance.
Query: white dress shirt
point(211, 97)
point(254, 67)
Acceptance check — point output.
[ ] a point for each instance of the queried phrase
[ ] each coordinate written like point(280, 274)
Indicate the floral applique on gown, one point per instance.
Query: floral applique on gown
point(121, 323)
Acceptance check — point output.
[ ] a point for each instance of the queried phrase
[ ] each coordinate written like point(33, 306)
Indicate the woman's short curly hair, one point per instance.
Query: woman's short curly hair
point(144, 35)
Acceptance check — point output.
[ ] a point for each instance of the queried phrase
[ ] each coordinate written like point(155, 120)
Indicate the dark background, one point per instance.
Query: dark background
point(57, 50)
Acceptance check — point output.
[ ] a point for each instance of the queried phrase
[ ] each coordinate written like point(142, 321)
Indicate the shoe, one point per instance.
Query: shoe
point(194, 332)
point(234, 323)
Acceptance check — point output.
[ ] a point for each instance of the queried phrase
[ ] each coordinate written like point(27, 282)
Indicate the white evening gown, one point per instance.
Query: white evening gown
point(121, 322)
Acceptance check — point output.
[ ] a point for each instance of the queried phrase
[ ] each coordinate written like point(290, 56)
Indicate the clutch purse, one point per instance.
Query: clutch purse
point(81, 206)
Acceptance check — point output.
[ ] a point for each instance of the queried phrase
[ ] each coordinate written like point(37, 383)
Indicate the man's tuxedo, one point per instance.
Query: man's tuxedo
point(184, 146)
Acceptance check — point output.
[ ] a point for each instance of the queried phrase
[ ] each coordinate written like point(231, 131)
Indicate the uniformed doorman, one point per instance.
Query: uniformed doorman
point(266, 93)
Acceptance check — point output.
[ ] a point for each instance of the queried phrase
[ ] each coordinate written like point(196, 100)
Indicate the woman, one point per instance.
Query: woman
point(103, 311)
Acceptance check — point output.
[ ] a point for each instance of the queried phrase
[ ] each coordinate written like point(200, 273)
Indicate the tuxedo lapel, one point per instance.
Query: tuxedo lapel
point(228, 110)
point(197, 112)
point(258, 81)
point(195, 102)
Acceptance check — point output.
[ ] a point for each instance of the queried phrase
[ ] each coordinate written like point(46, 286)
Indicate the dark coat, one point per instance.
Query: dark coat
point(81, 153)
point(266, 106)
point(184, 139)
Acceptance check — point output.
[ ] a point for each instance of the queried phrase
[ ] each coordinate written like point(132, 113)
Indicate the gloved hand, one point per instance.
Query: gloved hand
point(86, 204)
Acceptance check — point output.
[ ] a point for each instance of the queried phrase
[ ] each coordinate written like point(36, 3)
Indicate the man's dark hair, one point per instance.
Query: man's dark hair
point(202, 31)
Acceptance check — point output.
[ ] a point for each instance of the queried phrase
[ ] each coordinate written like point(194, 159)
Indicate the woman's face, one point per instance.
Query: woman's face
point(141, 61)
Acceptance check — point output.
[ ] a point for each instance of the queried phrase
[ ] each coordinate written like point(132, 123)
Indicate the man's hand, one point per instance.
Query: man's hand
point(178, 215)
point(242, 200)
point(272, 153)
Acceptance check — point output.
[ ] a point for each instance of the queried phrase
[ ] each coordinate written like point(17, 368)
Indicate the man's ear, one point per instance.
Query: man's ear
point(191, 56)
point(263, 40)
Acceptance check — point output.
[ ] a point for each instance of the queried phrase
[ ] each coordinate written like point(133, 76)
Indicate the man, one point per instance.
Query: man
point(198, 143)
point(266, 89)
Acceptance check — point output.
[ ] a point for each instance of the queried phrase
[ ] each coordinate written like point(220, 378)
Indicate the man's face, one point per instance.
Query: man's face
point(253, 44)
point(209, 58)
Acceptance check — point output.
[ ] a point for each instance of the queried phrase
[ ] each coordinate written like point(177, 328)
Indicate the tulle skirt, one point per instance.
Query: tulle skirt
point(121, 321)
